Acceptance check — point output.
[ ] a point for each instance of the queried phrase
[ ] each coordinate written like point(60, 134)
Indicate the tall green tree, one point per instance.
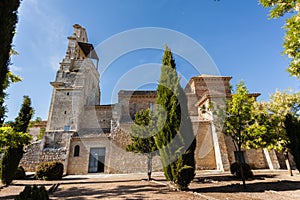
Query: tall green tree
point(239, 122)
point(263, 122)
point(26, 112)
point(174, 139)
point(12, 154)
point(284, 110)
point(291, 42)
point(292, 126)
point(239, 117)
point(9, 19)
point(142, 137)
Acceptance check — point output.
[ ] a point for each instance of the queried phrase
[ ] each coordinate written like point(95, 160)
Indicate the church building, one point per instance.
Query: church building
point(89, 137)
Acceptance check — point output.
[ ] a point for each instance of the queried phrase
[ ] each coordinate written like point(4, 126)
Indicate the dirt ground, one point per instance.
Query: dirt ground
point(266, 184)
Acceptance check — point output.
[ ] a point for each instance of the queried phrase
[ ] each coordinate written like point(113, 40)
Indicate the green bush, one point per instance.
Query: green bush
point(20, 173)
point(235, 169)
point(33, 193)
point(9, 163)
point(185, 175)
point(49, 171)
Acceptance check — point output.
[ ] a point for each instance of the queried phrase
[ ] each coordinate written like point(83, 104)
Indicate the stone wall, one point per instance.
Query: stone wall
point(281, 160)
point(97, 117)
point(204, 153)
point(255, 158)
point(53, 147)
point(35, 155)
point(50, 155)
point(209, 84)
point(58, 139)
point(31, 157)
point(131, 102)
point(117, 160)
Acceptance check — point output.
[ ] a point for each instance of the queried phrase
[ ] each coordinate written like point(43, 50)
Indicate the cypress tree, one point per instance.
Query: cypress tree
point(9, 19)
point(175, 139)
point(292, 125)
point(13, 155)
point(142, 137)
point(22, 121)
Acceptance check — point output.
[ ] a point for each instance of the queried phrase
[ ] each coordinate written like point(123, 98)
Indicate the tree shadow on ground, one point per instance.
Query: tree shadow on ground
point(228, 178)
point(8, 197)
point(251, 187)
point(72, 181)
point(121, 191)
point(66, 178)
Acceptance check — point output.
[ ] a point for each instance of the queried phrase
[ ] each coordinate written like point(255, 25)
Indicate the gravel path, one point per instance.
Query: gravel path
point(275, 185)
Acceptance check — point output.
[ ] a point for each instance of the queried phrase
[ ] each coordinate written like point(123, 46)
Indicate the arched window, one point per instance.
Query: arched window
point(76, 150)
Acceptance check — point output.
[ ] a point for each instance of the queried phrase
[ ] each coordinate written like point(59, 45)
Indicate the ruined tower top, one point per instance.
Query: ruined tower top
point(76, 84)
point(79, 34)
point(78, 46)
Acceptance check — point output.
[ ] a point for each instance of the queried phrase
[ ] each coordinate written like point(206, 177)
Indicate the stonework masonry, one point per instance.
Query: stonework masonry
point(91, 138)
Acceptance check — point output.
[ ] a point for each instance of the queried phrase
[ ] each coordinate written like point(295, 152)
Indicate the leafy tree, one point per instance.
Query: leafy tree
point(142, 137)
point(283, 110)
point(35, 122)
point(239, 117)
point(239, 123)
point(10, 138)
point(252, 124)
point(263, 130)
point(291, 42)
point(13, 155)
point(9, 19)
point(174, 139)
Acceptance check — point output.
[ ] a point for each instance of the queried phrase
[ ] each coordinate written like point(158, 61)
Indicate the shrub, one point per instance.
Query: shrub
point(20, 173)
point(235, 169)
point(33, 193)
point(185, 176)
point(49, 171)
point(9, 163)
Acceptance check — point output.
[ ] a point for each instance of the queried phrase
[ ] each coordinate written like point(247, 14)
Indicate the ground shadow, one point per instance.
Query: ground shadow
point(252, 187)
point(134, 191)
point(228, 178)
point(72, 181)
point(8, 197)
point(73, 178)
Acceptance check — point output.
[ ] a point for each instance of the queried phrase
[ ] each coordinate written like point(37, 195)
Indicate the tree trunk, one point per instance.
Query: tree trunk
point(287, 162)
point(241, 160)
point(149, 166)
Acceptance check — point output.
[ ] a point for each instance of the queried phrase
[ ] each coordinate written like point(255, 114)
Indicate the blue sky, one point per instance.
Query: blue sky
point(238, 36)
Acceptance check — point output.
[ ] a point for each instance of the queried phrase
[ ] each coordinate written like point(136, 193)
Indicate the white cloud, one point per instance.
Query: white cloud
point(48, 28)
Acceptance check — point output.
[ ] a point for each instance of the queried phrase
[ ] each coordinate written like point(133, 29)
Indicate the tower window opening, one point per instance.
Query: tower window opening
point(65, 112)
point(76, 150)
point(134, 108)
point(151, 106)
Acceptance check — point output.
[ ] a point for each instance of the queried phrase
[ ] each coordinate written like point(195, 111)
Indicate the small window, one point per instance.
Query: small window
point(76, 150)
point(67, 128)
point(134, 108)
point(68, 93)
point(65, 112)
point(151, 106)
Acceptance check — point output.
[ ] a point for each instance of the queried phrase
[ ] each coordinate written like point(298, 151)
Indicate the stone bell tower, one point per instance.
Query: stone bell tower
point(76, 84)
